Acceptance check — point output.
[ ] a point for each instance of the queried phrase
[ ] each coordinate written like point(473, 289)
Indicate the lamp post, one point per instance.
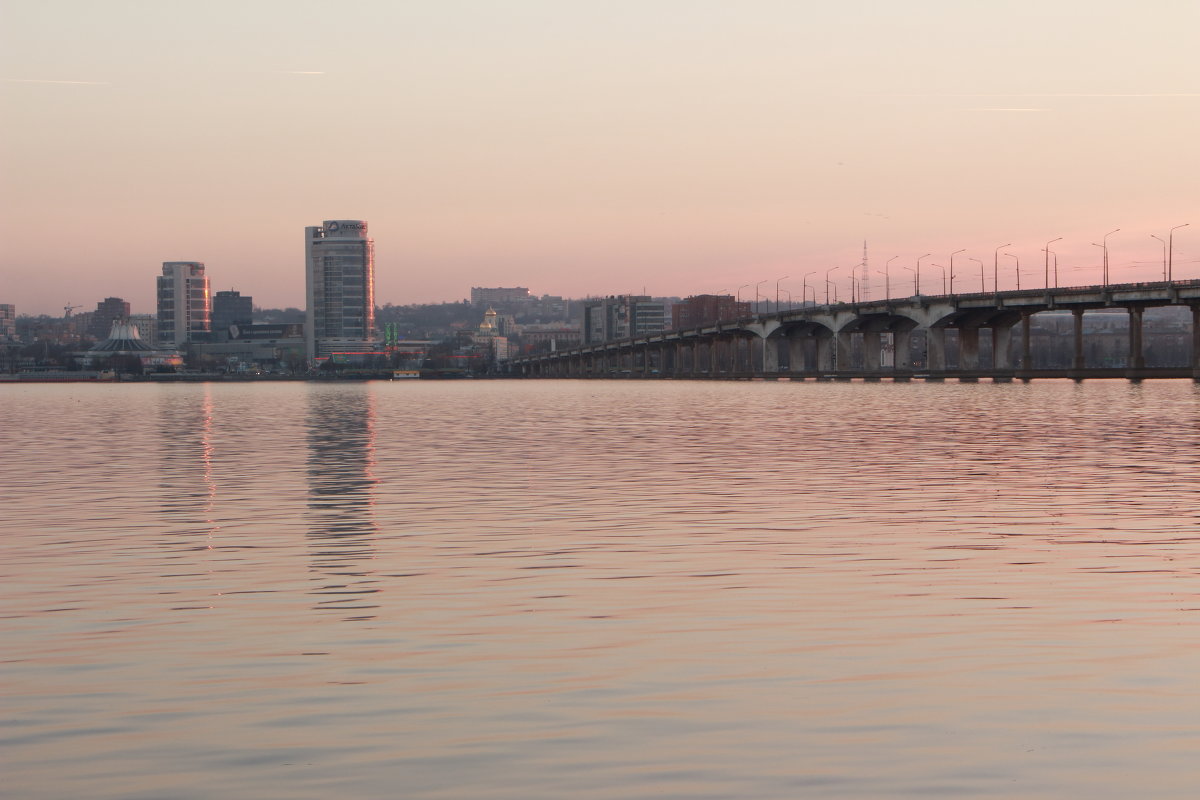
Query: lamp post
point(982, 279)
point(952, 255)
point(831, 269)
point(739, 296)
point(789, 294)
point(943, 269)
point(996, 267)
point(914, 272)
point(757, 305)
point(804, 290)
point(1164, 244)
point(917, 279)
point(1105, 241)
point(785, 277)
point(1171, 250)
point(1046, 249)
point(1017, 269)
point(887, 281)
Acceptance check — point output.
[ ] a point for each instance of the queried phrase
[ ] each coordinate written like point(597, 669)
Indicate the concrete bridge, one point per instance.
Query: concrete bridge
point(898, 339)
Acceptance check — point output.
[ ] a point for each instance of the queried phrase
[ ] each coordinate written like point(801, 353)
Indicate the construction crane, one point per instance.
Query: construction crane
point(68, 308)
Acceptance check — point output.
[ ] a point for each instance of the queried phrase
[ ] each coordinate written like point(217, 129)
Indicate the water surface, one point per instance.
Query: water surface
point(595, 589)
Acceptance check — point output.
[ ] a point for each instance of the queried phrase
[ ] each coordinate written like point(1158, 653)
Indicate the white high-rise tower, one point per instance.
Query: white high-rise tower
point(339, 271)
point(184, 303)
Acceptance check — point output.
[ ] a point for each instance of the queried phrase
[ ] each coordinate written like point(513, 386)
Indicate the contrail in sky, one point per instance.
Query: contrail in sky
point(73, 83)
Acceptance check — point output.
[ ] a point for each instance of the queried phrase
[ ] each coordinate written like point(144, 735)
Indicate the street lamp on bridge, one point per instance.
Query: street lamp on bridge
point(1171, 250)
point(943, 269)
point(887, 281)
point(1046, 250)
point(1104, 246)
point(757, 307)
point(739, 296)
point(1164, 244)
point(804, 289)
point(1017, 269)
point(952, 255)
point(827, 272)
point(785, 277)
point(982, 279)
point(996, 267)
point(917, 275)
point(914, 272)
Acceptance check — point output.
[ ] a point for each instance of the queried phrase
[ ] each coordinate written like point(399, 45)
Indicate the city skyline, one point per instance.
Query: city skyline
point(665, 148)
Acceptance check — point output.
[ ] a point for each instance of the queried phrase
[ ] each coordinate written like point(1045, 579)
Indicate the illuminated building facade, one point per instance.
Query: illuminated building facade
point(184, 303)
point(339, 271)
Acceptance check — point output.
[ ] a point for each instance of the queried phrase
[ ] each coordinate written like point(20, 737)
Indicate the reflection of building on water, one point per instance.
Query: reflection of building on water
point(341, 482)
point(185, 475)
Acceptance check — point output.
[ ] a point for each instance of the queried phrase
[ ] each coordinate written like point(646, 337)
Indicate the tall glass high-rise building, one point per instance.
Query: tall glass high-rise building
point(184, 303)
point(339, 270)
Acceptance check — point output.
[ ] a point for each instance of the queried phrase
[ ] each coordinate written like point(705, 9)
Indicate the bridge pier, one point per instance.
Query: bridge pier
point(843, 352)
point(935, 349)
point(1026, 341)
point(797, 353)
point(902, 351)
point(968, 348)
point(1137, 354)
point(872, 346)
point(1077, 318)
point(1001, 346)
point(825, 353)
point(770, 361)
point(1196, 342)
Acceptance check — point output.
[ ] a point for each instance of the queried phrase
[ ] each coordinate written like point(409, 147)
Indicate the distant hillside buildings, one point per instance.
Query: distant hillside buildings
point(8, 322)
point(481, 296)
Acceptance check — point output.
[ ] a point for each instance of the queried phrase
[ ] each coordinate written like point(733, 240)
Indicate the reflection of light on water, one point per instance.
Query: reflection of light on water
point(341, 476)
point(206, 458)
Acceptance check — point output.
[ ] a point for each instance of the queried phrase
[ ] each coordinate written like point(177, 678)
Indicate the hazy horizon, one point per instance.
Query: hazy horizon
point(591, 148)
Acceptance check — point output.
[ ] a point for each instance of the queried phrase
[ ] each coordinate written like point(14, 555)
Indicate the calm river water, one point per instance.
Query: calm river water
point(591, 589)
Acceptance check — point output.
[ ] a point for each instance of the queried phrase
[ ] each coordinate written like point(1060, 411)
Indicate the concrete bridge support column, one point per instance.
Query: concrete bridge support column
point(1077, 361)
point(872, 345)
point(902, 344)
point(935, 349)
point(844, 351)
point(1026, 341)
point(1137, 355)
point(825, 353)
point(1001, 346)
point(712, 356)
point(1196, 342)
point(796, 353)
point(771, 354)
point(968, 348)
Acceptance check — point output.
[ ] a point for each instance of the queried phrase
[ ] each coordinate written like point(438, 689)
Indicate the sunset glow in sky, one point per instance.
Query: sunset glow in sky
point(583, 147)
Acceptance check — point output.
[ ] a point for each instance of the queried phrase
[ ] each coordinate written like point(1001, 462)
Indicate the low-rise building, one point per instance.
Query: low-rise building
point(707, 309)
point(622, 317)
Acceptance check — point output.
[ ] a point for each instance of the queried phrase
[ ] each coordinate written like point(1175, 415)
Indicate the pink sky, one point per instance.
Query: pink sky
point(671, 146)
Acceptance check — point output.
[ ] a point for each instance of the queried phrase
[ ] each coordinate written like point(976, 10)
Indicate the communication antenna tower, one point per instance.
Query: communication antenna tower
point(864, 283)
